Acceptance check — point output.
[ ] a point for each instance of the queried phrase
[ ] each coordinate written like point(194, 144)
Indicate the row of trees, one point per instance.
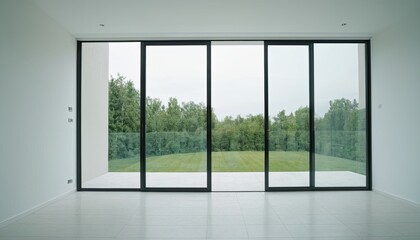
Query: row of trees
point(181, 127)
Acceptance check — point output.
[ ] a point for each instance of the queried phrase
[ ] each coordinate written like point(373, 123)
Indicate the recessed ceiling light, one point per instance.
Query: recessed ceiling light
point(344, 24)
point(101, 25)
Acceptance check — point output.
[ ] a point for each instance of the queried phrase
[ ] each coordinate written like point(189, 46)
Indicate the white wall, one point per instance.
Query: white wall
point(95, 77)
point(37, 84)
point(396, 110)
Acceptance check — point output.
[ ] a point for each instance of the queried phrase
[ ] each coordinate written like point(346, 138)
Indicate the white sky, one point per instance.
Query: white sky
point(336, 74)
point(288, 78)
point(124, 58)
point(238, 75)
point(237, 80)
point(177, 71)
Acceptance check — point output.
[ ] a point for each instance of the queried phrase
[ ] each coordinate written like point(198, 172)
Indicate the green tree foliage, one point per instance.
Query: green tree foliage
point(239, 134)
point(175, 127)
point(341, 132)
point(123, 118)
point(290, 132)
point(124, 106)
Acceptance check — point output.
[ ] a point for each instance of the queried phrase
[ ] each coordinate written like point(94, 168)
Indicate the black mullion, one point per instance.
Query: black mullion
point(177, 43)
point(79, 117)
point(339, 41)
point(143, 117)
point(266, 120)
point(311, 118)
point(288, 42)
point(368, 118)
point(209, 122)
point(175, 189)
point(285, 189)
point(109, 189)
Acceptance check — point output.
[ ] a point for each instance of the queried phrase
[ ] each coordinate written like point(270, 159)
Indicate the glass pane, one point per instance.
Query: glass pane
point(340, 115)
point(288, 101)
point(238, 122)
point(176, 122)
point(111, 115)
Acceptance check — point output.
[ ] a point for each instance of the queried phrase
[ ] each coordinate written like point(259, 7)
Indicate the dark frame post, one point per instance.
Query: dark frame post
point(266, 121)
point(209, 120)
point(311, 117)
point(143, 116)
point(79, 117)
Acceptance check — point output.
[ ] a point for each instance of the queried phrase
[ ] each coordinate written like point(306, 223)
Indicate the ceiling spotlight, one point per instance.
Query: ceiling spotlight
point(101, 25)
point(344, 24)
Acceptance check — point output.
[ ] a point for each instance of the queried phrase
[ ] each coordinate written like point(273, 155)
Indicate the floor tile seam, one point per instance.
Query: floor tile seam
point(210, 216)
point(277, 237)
point(173, 215)
point(243, 217)
point(417, 221)
point(72, 223)
point(82, 214)
point(265, 204)
point(168, 225)
point(367, 235)
point(278, 216)
point(26, 236)
point(341, 221)
point(69, 224)
point(121, 236)
point(403, 233)
point(120, 231)
point(281, 224)
point(331, 225)
point(318, 225)
point(55, 236)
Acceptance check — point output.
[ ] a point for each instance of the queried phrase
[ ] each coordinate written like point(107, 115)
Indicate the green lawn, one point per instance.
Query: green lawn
point(245, 161)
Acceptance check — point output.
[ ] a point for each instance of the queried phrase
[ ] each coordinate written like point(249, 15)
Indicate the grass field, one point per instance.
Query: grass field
point(244, 161)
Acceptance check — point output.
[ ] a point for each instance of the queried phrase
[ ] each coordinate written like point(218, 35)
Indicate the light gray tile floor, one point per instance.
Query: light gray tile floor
point(340, 215)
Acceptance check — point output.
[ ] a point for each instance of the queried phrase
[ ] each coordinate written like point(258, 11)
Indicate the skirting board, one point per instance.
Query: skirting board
point(31, 210)
point(397, 197)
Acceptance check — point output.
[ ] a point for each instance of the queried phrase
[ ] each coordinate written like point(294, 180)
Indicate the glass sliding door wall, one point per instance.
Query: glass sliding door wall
point(223, 115)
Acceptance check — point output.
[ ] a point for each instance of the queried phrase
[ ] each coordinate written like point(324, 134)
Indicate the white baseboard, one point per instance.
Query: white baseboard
point(397, 197)
point(31, 210)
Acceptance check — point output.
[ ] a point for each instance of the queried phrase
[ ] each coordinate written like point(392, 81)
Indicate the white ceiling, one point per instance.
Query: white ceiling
point(226, 19)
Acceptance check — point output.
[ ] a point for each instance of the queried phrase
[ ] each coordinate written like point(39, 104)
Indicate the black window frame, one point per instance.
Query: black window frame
point(312, 186)
point(143, 185)
point(309, 43)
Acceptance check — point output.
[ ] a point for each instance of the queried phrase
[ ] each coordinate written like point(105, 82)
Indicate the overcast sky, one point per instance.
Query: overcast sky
point(238, 75)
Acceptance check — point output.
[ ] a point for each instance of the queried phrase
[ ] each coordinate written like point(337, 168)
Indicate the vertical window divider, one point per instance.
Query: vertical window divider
point(266, 120)
point(79, 117)
point(143, 116)
point(311, 117)
point(368, 117)
point(209, 116)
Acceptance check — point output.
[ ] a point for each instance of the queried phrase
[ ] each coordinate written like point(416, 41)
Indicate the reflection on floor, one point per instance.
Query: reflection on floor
point(227, 181)
point(351, 215)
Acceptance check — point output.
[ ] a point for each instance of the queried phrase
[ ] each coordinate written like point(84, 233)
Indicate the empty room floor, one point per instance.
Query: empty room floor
point(220, 215)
